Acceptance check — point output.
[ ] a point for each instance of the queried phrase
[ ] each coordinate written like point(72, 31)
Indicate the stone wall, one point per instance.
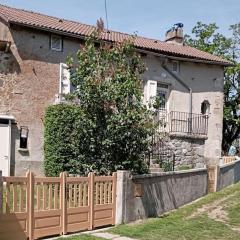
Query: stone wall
point(140, 197)
point(188, 151)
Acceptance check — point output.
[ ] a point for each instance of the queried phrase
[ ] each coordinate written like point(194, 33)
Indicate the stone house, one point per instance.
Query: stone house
point(33, 50)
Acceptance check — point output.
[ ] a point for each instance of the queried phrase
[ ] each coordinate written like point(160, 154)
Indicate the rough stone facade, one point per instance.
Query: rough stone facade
point(188, 152)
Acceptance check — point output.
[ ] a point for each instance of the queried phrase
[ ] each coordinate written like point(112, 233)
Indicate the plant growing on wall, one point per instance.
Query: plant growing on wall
point(106, 127)
point(208, 39)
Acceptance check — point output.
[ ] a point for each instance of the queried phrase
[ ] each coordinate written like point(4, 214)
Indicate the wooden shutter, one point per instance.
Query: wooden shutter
point(65, 85)
point(150, 90)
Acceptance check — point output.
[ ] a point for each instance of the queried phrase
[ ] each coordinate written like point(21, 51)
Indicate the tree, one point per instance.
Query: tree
point(206, 38)
point(113, 130)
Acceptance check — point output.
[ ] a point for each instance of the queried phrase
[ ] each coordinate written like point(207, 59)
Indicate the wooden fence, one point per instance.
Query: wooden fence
point(36, 207)
point(228, 159)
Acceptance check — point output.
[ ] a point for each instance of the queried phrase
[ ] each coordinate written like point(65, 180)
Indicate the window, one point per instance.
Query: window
point(56, 43)
point(205, 107)
point(65, 85)
point(175, 66)
point(162, 93)
point(23, 137)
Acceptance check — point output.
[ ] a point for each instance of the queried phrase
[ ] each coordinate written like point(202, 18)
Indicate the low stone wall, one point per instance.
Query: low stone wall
point(188, 150)
point(144, 196)
point(228, 174)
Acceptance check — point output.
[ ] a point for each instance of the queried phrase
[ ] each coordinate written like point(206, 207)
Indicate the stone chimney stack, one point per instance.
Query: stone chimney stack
point(175, 34)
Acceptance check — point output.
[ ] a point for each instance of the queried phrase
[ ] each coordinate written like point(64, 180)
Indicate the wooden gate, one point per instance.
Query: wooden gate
point(39, 207)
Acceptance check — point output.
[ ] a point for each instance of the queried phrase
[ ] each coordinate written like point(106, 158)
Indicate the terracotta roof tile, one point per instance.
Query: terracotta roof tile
point(37, 20)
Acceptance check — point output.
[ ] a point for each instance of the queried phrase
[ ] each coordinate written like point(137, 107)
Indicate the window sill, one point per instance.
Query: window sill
point(23, 149)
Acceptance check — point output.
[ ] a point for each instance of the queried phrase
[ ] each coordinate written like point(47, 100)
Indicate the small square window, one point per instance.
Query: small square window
point(56, 43)
point(175, 66)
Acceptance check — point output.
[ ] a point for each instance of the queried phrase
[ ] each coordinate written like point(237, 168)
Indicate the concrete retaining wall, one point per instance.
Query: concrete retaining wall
point(151, 195)
point(228, 174)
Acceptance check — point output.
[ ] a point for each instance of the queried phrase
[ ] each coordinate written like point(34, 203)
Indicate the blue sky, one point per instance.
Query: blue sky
point(150, 18)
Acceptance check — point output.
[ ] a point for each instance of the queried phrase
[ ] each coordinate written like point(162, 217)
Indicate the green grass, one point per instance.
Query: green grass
point(179, 225)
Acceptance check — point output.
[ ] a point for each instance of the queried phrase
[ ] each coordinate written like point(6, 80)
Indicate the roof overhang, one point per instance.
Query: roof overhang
point(154, 52)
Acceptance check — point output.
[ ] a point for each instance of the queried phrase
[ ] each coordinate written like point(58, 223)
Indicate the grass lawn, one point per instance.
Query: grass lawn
point(216, 216)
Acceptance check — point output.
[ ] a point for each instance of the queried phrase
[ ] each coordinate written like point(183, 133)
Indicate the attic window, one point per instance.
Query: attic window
point(175, 66)
point(56, 43)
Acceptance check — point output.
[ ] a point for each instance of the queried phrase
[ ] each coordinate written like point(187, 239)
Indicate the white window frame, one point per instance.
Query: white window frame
point(61, 43)
point(167, 91)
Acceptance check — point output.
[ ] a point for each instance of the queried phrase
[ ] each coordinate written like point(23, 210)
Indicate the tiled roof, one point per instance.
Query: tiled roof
point(40, 21)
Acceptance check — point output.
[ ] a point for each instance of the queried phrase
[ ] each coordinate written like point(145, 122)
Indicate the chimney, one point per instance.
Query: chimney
point(175, 34)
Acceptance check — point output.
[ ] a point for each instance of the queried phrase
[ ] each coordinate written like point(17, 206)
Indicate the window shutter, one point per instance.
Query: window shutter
point(151, 90)
point(65, 85)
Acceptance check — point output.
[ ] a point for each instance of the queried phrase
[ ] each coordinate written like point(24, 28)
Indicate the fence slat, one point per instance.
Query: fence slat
point(38, 186)
point(8, 199)
point(15, 197)
point(85, 194)
point(80, 195)
point(75, 195)
point(101, 193)
point(63, 202)
point(50, 196)
point(105, 192)
point(55, 196)
point(30, 207)
point(44, 196)
point(109, 192)
point(91, 199)
point(21, 198)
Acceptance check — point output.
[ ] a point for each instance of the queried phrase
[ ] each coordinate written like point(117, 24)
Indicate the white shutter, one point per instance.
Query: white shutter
point(150, 91)
point(65, 85)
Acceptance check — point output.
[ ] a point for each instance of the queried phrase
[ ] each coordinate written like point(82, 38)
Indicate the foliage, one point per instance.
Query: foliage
point(208, 39)
point(107, 126)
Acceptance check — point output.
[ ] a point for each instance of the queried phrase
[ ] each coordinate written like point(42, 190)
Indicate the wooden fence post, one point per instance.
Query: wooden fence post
point(213, 178)
point(91, 200)
point(30, 204)
point(63, 182)
point(1, 193)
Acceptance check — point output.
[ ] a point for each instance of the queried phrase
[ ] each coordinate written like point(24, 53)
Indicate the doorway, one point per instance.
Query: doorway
point(5, 144)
